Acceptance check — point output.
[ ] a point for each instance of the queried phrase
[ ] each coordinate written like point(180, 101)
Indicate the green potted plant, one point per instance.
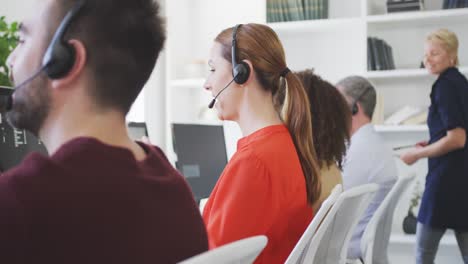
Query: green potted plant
point(8, 41)
point(410, 221)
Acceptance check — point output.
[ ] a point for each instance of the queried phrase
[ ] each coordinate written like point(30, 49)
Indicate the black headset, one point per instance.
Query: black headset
point(354, 107)
point(60, 55)
point(241, 70)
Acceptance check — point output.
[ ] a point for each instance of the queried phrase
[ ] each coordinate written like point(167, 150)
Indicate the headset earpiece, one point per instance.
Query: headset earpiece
point(241, 70)
point(61, 61)
point(354, 109)
point(60, 55)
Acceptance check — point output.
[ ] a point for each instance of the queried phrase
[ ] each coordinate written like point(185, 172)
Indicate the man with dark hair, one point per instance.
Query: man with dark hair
point(368, 159)
point(100, 197)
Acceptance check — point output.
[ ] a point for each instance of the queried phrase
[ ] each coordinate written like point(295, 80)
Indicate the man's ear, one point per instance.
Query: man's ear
point(78, 65)
point(359, 107)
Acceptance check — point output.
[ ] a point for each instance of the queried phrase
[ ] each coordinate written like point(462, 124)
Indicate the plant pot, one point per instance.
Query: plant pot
point(409, 223)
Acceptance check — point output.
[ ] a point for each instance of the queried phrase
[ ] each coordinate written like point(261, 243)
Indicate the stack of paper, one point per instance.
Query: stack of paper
point(408, 115)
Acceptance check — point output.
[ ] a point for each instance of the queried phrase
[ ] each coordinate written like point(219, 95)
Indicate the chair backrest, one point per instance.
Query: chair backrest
point(330, 243)
point(238, 252)
point(299, 251)
point(202, 204)
point(374, 241)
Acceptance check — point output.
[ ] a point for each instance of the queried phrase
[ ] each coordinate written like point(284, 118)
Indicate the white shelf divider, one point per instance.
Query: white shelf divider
point(318, 25)
point(404, 73)
point(401, 129)
point(398, 73)
point(417, 18)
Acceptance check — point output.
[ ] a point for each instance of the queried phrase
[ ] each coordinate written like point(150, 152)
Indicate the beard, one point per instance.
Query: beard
point(31, 105)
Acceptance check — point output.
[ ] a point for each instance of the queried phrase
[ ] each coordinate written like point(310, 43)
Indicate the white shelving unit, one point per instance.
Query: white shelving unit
point(418, 18)
point(335, 48)
point(404, 73)
point(400, 73)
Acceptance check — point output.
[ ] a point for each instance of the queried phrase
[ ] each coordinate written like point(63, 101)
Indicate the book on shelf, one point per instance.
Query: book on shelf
point(386, 55)
point(370, 56)
point(275, 12)
point(449, 4)
point(404, 5)
point(296, 10)
point(308, 10)
point(407, 115)
point(324, 14)
point(379, 55)
point(311, 9)
point(445, 4)
point(301, 8)
point(417, 119)
point(375, 55)
point(378, 115)
point(271, 11)
point(284, 10)
point(392, 60)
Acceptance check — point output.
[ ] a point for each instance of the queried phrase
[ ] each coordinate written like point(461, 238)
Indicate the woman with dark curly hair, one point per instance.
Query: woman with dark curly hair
point(331, 126)
point(330, 129)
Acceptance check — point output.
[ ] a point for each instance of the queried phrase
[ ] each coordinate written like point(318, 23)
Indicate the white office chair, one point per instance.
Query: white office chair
point(329, 245)
point(202, 204)
point(243, 251)
point(374, 241)
point(302, 246)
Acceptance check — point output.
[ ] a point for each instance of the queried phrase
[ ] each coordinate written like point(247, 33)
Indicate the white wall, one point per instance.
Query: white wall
point(149, 106)
point(193, 25)
point(14, 10)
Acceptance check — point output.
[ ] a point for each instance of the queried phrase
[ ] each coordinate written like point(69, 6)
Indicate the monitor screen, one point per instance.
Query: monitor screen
point(16, 144)
point(137, 130)
point(201, 155)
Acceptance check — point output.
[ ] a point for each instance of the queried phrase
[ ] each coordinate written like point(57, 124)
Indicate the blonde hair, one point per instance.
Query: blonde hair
point(448, 39)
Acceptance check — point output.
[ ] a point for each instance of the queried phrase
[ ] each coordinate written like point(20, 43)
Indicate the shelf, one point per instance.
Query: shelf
point(319, 25)
point(447, 240)
point(188, 83)
point(403, 128)
point(420, 18)
point(404, 73)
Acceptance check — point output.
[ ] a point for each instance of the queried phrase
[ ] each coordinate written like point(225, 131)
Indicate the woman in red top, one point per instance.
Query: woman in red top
point(269, 184)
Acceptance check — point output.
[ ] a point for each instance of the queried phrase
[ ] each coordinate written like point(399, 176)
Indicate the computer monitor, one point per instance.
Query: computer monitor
point(16, 144)
point(201, 155)
point(137, 130)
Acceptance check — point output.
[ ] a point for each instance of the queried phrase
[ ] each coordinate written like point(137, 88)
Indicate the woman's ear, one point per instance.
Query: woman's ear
point(453, 58)
point(252, 73)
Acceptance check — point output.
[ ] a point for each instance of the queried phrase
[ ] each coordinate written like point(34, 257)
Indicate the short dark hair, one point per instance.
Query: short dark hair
point(331, 122)
point(123, 39)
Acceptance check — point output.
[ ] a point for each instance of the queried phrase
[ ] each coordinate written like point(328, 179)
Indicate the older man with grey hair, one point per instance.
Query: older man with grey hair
point(368, 159)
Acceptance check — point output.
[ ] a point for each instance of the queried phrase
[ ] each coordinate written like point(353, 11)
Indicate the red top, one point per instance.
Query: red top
point(261, 192)
point(94, 203)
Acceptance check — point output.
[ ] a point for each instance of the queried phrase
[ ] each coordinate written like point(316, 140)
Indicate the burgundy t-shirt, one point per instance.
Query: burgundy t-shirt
point(94, 203)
